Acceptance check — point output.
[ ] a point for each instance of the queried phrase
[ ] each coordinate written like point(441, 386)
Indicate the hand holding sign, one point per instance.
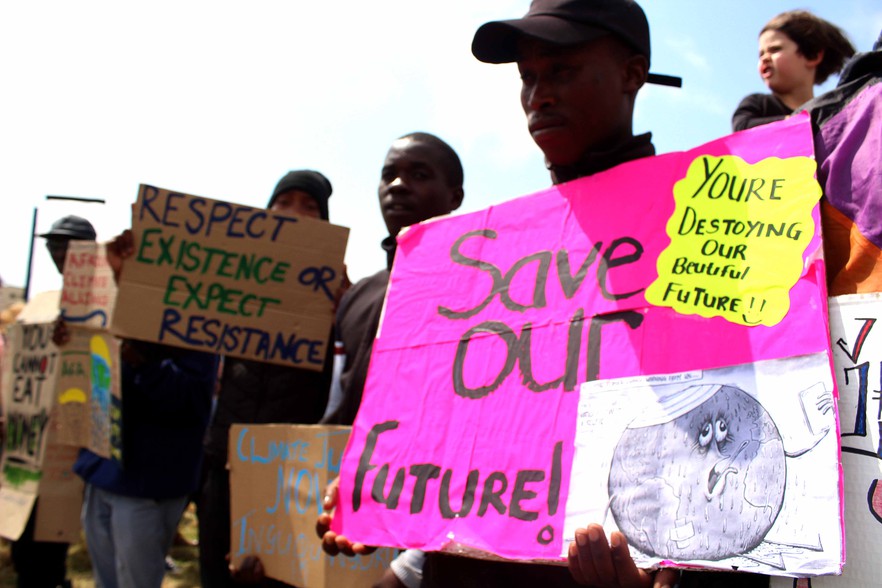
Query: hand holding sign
point(332, 543)
point(60, 332)
point(595, 562)
point(250, 571)
point(118, 250)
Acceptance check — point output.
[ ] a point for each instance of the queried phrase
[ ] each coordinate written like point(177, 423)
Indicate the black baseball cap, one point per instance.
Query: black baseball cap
point(568, 22)
point(71, 227)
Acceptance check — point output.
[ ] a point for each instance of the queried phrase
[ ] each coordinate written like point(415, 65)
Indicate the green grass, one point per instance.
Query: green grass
point(79, 568)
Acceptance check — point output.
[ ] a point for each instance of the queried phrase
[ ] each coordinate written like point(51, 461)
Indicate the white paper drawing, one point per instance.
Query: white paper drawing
point(711, 468)
point(856, 333)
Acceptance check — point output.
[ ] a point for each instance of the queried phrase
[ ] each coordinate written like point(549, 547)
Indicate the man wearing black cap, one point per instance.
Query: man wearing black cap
point(582, 63)
point(42, 564)
point(255, 392)
point(63, 231)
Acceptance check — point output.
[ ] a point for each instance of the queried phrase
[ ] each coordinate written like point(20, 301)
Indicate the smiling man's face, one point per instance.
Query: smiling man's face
point(576, 98)
point(414, 185)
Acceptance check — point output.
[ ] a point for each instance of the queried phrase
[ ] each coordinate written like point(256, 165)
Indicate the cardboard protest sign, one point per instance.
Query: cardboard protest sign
point(41, 308)
point(232, 279)
point(61, 495)
point(278, 474)
point(89, 291)
point(89, 407)
point(30, 368)
point(493, 319)
point(857, 354)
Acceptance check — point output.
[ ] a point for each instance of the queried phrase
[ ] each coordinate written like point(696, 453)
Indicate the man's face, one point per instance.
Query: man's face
point(296, 202)
point(57, 247)
point(575, 98)
point(414, 186)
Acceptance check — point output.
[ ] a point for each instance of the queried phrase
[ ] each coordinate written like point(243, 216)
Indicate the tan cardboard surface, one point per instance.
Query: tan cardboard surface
point(88, 388)
point(278, 475)
point(89, 292)
point(61, 496)
point(232, 279)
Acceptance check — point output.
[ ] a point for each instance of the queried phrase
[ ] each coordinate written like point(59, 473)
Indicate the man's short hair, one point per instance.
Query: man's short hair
point(450, 163)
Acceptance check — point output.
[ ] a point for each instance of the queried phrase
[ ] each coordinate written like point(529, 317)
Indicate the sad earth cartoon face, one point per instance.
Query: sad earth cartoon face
point(700, 477)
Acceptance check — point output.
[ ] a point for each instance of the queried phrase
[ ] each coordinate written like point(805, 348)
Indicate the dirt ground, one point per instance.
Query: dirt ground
point(79, 569)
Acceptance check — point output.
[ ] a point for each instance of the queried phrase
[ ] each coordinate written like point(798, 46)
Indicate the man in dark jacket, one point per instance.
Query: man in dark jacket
point(256, 392)
point(421, 178)
point(43, 564)
point(582, 63)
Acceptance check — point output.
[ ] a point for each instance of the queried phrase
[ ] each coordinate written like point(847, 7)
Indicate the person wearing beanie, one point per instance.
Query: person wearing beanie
point(304, 192)
point(255, 392)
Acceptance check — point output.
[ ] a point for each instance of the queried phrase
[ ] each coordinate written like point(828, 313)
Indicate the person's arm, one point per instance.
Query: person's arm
point(405, 571)
point(118, 250)
point(750, 114)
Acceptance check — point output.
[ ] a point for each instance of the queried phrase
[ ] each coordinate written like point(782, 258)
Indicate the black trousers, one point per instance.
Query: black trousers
point(38, 564)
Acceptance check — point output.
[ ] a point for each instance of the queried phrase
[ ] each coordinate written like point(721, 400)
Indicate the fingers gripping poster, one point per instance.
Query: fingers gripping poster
point(686, 262)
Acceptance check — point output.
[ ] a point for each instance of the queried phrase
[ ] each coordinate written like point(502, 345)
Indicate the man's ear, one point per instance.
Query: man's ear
point(456, 196)
point(635, 72)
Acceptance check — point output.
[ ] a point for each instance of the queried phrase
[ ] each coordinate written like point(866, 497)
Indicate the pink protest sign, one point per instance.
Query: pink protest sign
point(687, 261)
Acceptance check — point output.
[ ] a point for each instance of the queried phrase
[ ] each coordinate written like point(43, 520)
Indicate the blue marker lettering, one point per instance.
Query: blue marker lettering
point(237, 220)
point(197, 206)
point(258, 215)
point(148, 195)
point(170, 207)
point(220, 211)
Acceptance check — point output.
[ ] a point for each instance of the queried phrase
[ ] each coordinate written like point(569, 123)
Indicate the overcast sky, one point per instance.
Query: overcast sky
point(221, 98)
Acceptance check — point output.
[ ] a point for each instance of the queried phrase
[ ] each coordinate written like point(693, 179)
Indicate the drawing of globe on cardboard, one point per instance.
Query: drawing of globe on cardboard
point(699, 476)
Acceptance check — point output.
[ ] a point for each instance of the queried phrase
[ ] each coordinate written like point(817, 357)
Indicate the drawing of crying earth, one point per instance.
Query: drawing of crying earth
point(701, 477)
